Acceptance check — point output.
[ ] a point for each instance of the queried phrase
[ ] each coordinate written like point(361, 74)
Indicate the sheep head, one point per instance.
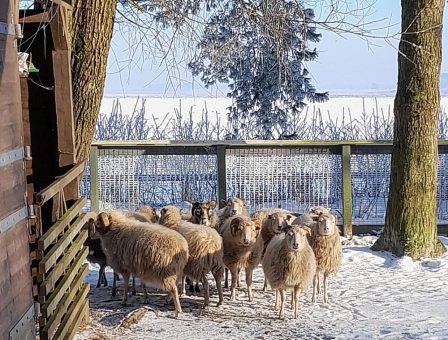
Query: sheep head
point(245, 230)
point(149, 212)
point(277, 221)
point(235, 206)
point(296, 236)
point(202, 212)
point(170, 215)
point(326, 224)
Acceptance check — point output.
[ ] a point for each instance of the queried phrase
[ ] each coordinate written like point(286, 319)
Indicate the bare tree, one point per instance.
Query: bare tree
point(411, 225)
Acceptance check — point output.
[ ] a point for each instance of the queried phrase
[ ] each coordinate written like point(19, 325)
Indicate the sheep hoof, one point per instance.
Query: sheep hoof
point(134, 292)
point(219, 304)
point(191, 288)
point(197, 289)
point(114, 293)
point(124, 303)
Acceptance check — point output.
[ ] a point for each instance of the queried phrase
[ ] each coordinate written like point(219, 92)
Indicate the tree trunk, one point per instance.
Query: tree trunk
point(92, 27)
point(411, 223)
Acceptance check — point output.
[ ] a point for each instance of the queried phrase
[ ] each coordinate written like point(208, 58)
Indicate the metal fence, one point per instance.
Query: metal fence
point(350, 177)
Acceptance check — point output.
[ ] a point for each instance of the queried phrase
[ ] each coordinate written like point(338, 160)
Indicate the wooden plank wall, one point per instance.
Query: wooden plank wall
point(15, 278)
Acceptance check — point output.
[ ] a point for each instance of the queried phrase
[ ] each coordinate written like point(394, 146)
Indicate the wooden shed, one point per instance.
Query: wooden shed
point(42, 234)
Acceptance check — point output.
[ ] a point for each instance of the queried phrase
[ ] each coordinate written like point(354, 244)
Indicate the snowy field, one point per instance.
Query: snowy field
point(374, 296)
point(337, 107)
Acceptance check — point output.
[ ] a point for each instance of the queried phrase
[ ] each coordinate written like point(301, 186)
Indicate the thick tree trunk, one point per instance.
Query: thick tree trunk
point(92, 27)
point(410, 226)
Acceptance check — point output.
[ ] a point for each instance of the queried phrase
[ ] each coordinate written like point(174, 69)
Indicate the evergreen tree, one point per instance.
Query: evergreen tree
point(259, 48)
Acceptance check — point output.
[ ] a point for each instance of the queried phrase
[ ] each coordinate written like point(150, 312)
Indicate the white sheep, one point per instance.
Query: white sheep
point(205, 250)
point(153, 253)
point(326, 244)
point(289, 263)
point(243, 246)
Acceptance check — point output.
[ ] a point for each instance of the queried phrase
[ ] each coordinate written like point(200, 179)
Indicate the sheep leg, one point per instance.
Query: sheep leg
point(277, 299)
point(196, 288)
point(250, 293)
point(265, 285)
point(226, 278)
point(296, 293)
point(134, 288)
point(114, 284)
point(282, 303)
point(238, 282)
point(233, 272)
point(100, 276)
point(318, 283)
point(325, 287)
point(125, 288)
point(183, 291)
point(315, 284)
point(293, 301)
point(104, 277)
point(145, 294)
point(172, 291)
point(206, 291)
point(218, 277)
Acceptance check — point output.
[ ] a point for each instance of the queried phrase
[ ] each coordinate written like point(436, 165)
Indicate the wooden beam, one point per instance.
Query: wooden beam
point(50, 281)
point(52, 302)
point(94, 184)
point(77, 307)
point(52, 234)
point(346, 191)
point(46, 194)
point(59, 248)
point(53, 322)
point(222, 179)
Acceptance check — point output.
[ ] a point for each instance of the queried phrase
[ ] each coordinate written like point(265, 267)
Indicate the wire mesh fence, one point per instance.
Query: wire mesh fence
point(290, 178)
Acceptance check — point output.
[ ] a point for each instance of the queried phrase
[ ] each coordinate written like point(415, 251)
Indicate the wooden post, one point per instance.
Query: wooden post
point(222, 182)
point(94, 192)
point(346, 191)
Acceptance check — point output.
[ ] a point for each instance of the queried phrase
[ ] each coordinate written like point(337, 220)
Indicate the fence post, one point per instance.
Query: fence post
point(222, 182)
point(94, 193)
point(346, 191)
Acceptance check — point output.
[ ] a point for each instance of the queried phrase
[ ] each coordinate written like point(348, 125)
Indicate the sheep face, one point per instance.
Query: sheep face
point(235, 206)
point(202, 213)
point(245, 231)
point(100, 226)
point(326, 224)
point(296, 236)
point(276, 222)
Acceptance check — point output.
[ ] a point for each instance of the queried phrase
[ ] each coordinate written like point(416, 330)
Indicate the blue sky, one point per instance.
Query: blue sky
point(346, 64)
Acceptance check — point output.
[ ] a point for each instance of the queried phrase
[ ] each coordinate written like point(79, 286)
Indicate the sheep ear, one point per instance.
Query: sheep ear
point(258, 224)
point(270, 216)
point(224, 202)
point(246, 203)
point(212, 204)
point(307, 229)
point(195, 204)
point(335, 218)
point(289, 217)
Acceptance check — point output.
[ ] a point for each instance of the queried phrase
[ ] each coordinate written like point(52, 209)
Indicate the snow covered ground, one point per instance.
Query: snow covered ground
point(375, 295)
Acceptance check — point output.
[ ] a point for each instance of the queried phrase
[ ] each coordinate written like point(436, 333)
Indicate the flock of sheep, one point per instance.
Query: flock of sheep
point(163, 250)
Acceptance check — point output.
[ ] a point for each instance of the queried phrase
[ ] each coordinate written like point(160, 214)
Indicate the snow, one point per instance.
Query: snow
point(375, 295)
point(336, 108)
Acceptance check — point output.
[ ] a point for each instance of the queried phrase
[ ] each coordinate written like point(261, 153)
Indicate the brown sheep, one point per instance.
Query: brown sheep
point(289, 263)
point(243, 246)
point(205, 250)
point(327, 248)
point(234, 206)
point(204, 213)
point(151, 252)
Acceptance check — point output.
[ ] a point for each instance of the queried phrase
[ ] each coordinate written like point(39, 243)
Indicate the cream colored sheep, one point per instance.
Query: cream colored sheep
point(289, 263)
point(149, 212)
point(243, 246)
point(205, 249)
point(151, 252)
point(272, 222)
point(327, 248)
